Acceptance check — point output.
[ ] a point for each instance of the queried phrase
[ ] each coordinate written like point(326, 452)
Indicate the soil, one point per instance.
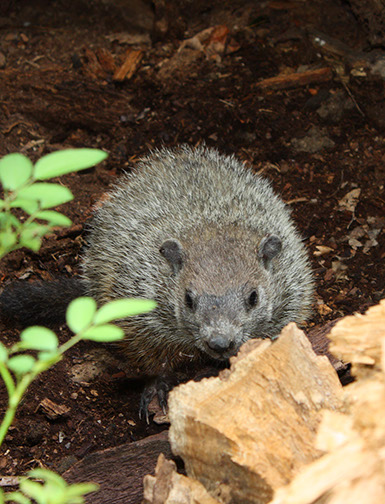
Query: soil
point(321, 144)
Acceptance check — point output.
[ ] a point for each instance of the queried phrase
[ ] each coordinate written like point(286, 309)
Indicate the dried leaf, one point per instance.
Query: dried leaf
point(350, 200)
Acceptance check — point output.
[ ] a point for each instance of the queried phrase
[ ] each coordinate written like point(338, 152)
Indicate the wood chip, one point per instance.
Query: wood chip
point(131, 63)
point(106, 60)
point(52, 410)
point(92, 67)
point(296, 79)
point(7, 481)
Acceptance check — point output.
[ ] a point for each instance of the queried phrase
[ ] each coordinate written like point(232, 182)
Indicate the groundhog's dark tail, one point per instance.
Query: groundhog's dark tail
point(39, 303)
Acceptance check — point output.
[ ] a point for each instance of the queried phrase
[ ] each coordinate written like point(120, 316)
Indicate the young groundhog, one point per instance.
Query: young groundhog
point(211, 243)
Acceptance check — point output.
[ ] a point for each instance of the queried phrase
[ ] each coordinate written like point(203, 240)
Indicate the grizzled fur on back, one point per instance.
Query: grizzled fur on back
point(211, 243)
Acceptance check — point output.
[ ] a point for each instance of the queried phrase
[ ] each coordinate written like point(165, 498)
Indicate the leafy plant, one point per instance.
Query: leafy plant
point(52, 490)
point(38, 348)
point(21, 181)
point(19, 369)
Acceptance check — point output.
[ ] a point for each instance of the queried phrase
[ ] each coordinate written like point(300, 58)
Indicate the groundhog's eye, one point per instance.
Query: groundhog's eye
point(189, 300)
point(252, 299)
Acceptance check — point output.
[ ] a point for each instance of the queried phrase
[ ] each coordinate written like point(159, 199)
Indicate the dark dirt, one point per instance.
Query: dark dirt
point(55, 94)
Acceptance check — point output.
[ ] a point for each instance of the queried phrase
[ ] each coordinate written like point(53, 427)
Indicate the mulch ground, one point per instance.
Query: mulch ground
point(118, 76)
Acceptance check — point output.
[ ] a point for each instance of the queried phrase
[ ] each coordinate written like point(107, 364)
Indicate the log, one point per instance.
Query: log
point(119, 471)
point(352, 468)
point(248, 431)
point(318, 337)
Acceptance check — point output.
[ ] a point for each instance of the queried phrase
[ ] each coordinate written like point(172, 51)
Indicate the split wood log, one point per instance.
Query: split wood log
point(353, 469)
point(248, 432)
point(359, 338)
point(169, 487)
point(119, 471)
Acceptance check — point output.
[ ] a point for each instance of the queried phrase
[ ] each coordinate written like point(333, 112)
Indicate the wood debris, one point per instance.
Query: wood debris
point(169, 487)
point(120, 470)
point(243, 433)
point(106, 60)
point(360, 339)
point(9, 481)
point(248, 432)
point(52, 410)
point(350, 200)
point(212, 43)
point(296, 79)
point(129, 66)
point(92, 68)
point(136, 39)
point(353, 469)
point(100, 64)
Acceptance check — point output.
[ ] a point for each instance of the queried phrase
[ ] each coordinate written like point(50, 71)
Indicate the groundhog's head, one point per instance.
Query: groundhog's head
point(225, 290)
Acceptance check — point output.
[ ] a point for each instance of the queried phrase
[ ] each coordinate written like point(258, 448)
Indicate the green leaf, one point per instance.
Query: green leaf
point(9, 220)
point(49, 195)
point(33, 490)
point(3, 353)
point(33, 244)
point(29, 206)
point(15, 171)
point(81, 489)
point(104, 333)
point(17, 497)
point(38, 338)
point(7, 239)
point(49, 357)
point(21, 364)
point(54, 218)
point(67, 161)
point(30, 238)
point(80, 313)
point(47, 475)
point(122, 308)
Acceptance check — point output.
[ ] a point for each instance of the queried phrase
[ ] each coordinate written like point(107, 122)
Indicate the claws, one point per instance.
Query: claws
point(156, 387)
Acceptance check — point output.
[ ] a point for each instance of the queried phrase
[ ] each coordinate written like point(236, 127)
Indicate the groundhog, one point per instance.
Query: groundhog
point(211, 243)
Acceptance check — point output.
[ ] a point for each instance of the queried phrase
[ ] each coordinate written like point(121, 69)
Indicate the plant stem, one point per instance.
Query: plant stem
point(70, 343)
point(16, 393)
point(7, 421)
point(13, 403)
point(7, 379)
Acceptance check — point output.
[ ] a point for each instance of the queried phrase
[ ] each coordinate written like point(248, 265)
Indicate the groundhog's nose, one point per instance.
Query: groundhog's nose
point(220, 343)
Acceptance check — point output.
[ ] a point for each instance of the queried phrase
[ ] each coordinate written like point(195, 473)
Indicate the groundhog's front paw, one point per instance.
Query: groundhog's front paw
point(158, 386)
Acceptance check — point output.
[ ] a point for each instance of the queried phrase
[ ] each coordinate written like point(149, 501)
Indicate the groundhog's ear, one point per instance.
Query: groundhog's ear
point(269, 247)
point(173, 252)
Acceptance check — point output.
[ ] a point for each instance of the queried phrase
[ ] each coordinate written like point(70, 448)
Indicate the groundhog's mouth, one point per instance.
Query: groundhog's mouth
point(221, 356)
